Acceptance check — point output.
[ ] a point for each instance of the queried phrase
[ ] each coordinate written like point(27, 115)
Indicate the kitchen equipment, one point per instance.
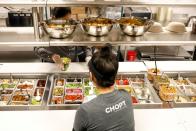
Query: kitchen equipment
point(164, 14)
point(134, 26)
point(131, 55)
point(97, 26)
point(141, 12)
point(176, 27)
point(20, 19)
point(193, 24)
point(59, 28)
point(163, 53)
point(14, 19)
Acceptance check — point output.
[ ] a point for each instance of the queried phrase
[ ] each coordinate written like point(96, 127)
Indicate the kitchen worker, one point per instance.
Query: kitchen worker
point(53, 54)
point(112, 109)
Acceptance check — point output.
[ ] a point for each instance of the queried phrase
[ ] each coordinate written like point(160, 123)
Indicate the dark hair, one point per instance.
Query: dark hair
point(104, 66)
point(60, 12)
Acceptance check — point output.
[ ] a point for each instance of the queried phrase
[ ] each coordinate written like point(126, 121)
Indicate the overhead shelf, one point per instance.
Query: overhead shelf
point(116, 37)
point(29, 3)
point(23, 36)
point(20, 36)
point(41, 3)
point(120, 3)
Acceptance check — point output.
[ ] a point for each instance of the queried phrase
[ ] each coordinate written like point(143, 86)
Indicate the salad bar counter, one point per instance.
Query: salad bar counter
point(68, 91)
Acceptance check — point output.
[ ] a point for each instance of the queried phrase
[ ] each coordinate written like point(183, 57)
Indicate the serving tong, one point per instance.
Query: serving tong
point(38, 97)
point(121, 82)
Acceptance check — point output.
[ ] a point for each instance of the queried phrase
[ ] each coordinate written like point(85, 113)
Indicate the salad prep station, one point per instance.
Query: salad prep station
point(65, 90)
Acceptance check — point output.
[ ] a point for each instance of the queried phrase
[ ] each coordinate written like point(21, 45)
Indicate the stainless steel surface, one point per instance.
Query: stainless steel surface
point(51, 27)
point(97, 29)
point(164, 52)
point(134, 29)
point(21, 3)
point(35, 23)
point(120, 3)
point(42, 3)
point(23, 36)
point(20, 36)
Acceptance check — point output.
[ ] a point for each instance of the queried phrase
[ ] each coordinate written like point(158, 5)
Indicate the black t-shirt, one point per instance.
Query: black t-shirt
point(107, 112)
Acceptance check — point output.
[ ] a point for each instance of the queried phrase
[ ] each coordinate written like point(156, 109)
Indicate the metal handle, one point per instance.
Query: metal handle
point(191, 17)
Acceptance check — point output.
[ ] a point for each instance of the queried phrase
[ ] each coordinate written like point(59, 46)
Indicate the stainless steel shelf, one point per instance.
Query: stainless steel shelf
point(20, 36)
point(42, 3)
point(23, 36)
point(116, 37)
point(120, 3)
point(29, 3)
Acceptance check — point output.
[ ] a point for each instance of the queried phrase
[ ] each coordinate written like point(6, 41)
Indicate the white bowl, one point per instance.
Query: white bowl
point(176, 27)
point(156, 28)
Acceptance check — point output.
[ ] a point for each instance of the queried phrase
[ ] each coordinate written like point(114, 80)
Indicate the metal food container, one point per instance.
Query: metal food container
point(143, 95)
point(97, 26)
point(70, 82)
point(161, 80)
point(134, 26)
point(182, 99)
point(144, 92)
point(59, 28)
point(39, 92)
point(24, 92)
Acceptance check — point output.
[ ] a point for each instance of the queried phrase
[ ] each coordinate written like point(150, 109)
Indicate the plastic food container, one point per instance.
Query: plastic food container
point(59, 82)
point(41, 83)
point(167, 93)
point(73, 95)
point(57, 100)
point(26, 84)
point(152, 73)
point(58, 91)
point(161, 81)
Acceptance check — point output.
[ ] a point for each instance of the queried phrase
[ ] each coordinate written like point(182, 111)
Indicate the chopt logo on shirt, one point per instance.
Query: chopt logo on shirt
point(116, 107)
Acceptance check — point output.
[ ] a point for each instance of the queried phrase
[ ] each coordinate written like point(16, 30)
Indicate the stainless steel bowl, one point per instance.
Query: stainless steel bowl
point(97, 26)
point(135, 29)
point(59, 28)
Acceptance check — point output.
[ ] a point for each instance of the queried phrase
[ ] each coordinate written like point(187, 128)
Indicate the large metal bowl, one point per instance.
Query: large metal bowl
point(134, 26)
point(97, 26)
point(59, 28)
